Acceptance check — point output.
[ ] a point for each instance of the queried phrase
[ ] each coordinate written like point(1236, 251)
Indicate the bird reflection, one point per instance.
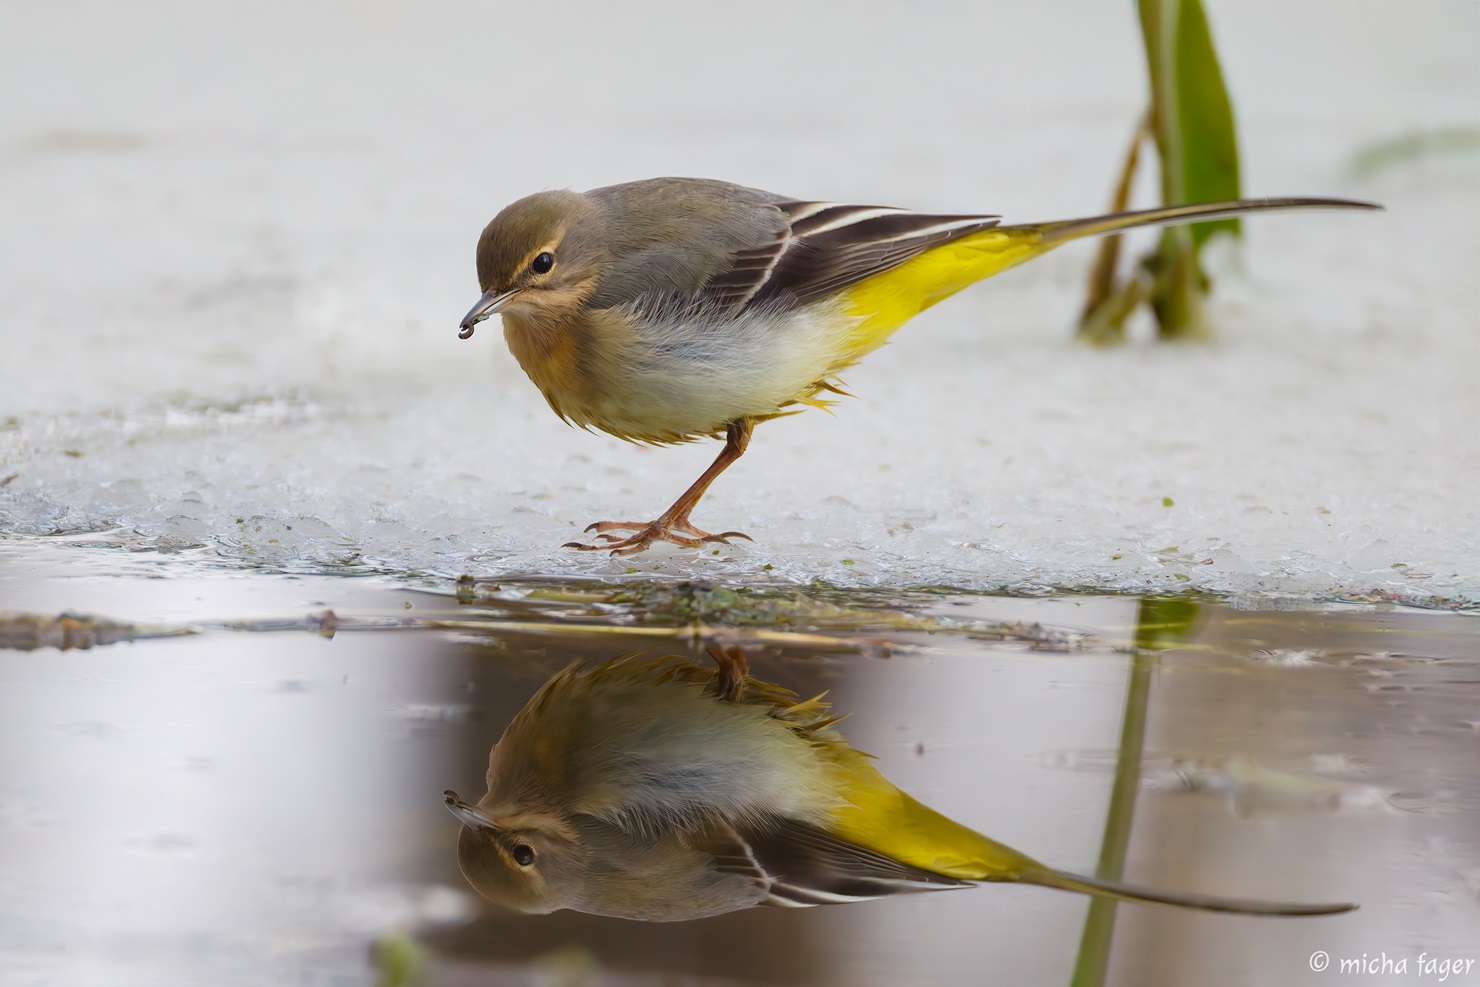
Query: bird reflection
point(662, 790)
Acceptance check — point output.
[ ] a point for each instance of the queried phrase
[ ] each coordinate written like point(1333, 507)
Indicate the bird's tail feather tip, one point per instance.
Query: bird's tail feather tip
point(1211, 903)
point(1062, 231)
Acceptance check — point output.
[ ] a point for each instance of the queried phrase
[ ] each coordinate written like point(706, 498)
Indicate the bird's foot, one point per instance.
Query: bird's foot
point(677, 530)
point(731, 672)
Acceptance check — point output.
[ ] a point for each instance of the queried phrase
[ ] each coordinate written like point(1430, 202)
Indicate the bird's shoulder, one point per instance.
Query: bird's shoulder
point(722, 249)
point(668, 240)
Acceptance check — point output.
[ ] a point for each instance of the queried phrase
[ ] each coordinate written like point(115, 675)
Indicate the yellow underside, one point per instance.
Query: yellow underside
point(880, 817)
point(887, 301)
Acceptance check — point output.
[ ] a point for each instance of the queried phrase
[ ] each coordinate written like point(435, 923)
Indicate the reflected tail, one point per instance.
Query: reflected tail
point(1205, 902)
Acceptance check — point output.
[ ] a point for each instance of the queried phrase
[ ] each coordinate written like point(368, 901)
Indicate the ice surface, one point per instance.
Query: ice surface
point(237, 245)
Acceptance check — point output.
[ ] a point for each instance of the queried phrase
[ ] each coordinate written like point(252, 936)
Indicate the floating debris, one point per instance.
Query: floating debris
point(816, 616)
point(436, 712)
point(70, 631)
point(1253, 788)
point(1288, 657)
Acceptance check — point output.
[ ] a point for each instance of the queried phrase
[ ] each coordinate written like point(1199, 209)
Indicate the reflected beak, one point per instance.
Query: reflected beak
point(492, 301)
point(470, 815)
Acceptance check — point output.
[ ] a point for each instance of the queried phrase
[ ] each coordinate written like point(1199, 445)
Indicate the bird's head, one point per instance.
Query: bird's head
point(538, 259)
point(529, 861)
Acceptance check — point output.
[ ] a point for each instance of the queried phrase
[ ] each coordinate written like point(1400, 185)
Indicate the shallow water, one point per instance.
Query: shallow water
point(258, 802)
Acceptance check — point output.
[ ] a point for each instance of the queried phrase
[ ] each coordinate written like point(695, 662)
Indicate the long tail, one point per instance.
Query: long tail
point(1209, 903)
point(887, 301)
point(888, 822)
point(1064, 230)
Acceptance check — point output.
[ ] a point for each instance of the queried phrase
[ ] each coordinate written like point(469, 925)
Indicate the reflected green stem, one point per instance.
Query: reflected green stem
point(1099, 925)
point(399, 959)
point(1159, 624)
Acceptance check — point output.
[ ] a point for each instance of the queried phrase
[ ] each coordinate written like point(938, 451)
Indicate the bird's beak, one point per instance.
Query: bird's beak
point(492, 301)
point(470, 815)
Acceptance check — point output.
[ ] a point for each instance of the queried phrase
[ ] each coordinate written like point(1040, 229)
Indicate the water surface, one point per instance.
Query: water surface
point(259, 802)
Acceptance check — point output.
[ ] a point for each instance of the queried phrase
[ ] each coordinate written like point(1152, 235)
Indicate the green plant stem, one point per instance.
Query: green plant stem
point(1160, 623)
point(1099, 926)
point(1106, 304)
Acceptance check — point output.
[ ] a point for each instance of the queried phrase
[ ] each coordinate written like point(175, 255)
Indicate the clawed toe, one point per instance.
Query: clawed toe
point(641, 543)
point(724, 537)
point(605, 526)
point(677, 531)
point(582, 546)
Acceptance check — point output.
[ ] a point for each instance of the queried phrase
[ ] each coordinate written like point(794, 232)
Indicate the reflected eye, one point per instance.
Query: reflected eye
point(542, 265)
point(524, 853)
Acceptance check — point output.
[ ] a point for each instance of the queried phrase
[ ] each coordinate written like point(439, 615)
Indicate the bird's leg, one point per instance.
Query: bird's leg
point(730, 674)
point(673, 525)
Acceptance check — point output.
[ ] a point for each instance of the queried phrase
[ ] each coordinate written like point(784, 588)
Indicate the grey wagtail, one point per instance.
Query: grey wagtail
point(658, 789)
point(671, 309)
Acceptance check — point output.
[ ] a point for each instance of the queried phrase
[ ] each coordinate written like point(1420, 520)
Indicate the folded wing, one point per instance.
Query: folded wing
point(825, 248)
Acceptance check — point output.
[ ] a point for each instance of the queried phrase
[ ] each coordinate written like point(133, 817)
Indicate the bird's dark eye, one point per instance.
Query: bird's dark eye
point(542, 263)
point(524, 853)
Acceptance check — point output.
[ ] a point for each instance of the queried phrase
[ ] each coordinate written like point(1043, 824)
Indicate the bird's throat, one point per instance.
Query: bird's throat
point(549, 352)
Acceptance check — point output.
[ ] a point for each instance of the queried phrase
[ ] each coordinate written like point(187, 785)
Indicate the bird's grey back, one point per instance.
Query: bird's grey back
point(669, 238)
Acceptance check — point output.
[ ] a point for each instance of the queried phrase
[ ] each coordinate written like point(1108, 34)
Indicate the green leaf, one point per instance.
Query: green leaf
point(1192, 121)
point(1191, 114)
point(1385, 154)
point(1210, 145)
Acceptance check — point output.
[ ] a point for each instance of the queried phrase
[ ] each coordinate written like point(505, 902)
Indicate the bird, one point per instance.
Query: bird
point(669, 310)
point(658, 789)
